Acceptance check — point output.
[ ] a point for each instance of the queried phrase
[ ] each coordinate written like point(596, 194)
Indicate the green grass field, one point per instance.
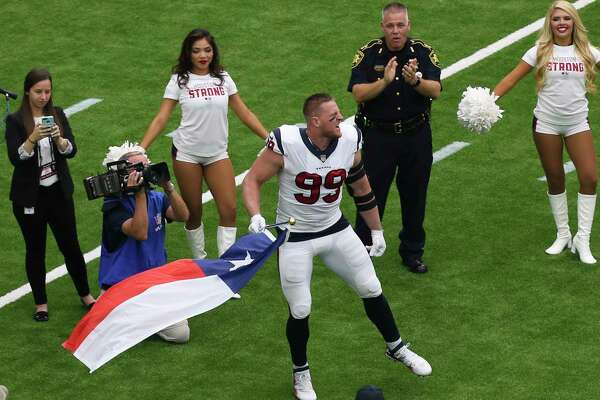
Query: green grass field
point(496, 317)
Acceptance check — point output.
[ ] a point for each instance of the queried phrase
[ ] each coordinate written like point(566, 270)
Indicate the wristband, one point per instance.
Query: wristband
point(417, 83)
point(30, 141)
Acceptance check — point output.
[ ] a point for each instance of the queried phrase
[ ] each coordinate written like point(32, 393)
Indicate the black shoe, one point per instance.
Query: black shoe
point(415, 265)
point(87, 306)
point(41, 316)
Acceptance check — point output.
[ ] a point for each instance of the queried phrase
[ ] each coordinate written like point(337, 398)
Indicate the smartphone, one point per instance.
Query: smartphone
point(47, 121)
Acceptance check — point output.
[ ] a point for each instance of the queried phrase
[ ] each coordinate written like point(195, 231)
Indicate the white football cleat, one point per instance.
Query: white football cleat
point(236, 296)
point(303, 389)
point(417, 364)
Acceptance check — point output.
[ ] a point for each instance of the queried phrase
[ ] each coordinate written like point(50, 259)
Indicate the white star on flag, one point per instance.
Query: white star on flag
point(241, 263)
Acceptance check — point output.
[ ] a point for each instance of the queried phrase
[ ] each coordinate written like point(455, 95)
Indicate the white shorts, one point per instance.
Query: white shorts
point(191, 158)
point(342, 252)
point(555, 129)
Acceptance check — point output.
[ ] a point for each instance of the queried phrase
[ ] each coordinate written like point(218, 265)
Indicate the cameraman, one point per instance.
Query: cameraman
point(133, 229)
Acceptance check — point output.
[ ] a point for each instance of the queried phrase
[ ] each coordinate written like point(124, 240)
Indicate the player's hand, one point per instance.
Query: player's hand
point(378, 247)
point(257, 224)
point(390, 70)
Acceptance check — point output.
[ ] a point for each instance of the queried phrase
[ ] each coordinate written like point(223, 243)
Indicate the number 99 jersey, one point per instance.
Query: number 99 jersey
point(311, 180)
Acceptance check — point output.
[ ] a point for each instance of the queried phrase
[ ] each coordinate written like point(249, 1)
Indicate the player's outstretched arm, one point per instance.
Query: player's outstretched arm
point(264, 168)
point(510, 80)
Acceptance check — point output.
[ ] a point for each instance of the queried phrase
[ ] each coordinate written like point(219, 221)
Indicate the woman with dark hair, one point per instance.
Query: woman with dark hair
point(205, 91)
point(42, 189)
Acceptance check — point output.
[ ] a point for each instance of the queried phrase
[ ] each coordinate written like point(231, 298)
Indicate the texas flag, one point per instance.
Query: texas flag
point(150, 301)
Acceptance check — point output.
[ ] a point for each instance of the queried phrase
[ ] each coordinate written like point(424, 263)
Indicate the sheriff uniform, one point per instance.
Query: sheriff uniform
point(397, 137)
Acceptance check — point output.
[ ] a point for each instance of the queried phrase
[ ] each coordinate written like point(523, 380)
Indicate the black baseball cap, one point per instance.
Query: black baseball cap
point(369, 392)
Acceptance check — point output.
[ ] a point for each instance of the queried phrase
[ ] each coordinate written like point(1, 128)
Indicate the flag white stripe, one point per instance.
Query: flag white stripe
point(131, 322)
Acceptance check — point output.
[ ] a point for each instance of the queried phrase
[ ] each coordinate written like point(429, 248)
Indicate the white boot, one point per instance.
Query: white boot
point(586, 203)
point(225, 238)
point(560, 211)
point(196, 241)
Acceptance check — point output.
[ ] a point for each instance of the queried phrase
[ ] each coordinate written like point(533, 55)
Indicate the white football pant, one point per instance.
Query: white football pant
point(342, 252)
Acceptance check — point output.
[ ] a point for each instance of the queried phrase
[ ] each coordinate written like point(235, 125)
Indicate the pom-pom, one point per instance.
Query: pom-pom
point(116, 152)
point(477, 110)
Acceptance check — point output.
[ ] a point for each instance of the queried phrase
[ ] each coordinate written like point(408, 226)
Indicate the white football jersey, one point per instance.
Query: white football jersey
point(311, 181)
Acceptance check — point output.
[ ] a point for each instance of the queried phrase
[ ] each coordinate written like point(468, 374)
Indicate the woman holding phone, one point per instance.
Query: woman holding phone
point(39, 142)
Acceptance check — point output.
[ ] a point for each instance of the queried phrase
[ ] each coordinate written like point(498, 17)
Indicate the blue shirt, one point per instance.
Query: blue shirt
point(122, 256)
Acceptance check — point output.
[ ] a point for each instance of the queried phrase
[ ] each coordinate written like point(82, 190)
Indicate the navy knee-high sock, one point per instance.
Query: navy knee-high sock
point(379, 312)
point(297, 335)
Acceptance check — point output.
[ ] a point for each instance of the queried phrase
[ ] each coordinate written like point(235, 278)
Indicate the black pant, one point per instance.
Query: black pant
point(52, 209)
point(411, 156)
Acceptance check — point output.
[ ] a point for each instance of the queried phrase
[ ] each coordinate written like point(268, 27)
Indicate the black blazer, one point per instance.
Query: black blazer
point(26, 176)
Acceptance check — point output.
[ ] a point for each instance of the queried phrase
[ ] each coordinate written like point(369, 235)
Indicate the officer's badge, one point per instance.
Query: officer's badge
point(434, 58)
point(357, 58)
point(379, 68)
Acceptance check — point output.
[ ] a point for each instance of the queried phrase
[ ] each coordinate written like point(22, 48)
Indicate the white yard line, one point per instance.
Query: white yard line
point(207, 196)
point(448, 150)
point(82, 105)
point(56, 273)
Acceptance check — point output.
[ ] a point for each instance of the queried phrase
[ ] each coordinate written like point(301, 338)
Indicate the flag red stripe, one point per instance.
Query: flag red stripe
point(128, 288)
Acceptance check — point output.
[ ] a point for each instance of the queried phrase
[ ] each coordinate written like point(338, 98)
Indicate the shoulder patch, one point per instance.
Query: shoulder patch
point(421, 43)
point(358, 57)
point(432, 56)
point(360, 53)
point(371, 44)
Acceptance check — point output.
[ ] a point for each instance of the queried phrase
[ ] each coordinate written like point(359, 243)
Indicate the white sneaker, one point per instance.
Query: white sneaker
point(417, 364)
point(303, 389)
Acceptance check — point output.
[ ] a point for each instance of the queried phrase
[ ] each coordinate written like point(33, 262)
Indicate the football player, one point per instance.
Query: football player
point(313, 164)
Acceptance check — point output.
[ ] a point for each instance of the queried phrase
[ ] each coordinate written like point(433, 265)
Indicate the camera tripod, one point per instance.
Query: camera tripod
point(7, 96)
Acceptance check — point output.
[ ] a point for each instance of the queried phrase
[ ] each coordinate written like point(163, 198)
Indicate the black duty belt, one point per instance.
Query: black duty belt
point(404, 126)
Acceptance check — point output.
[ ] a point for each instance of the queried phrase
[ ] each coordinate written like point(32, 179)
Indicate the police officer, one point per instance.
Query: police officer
point(394, 80)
